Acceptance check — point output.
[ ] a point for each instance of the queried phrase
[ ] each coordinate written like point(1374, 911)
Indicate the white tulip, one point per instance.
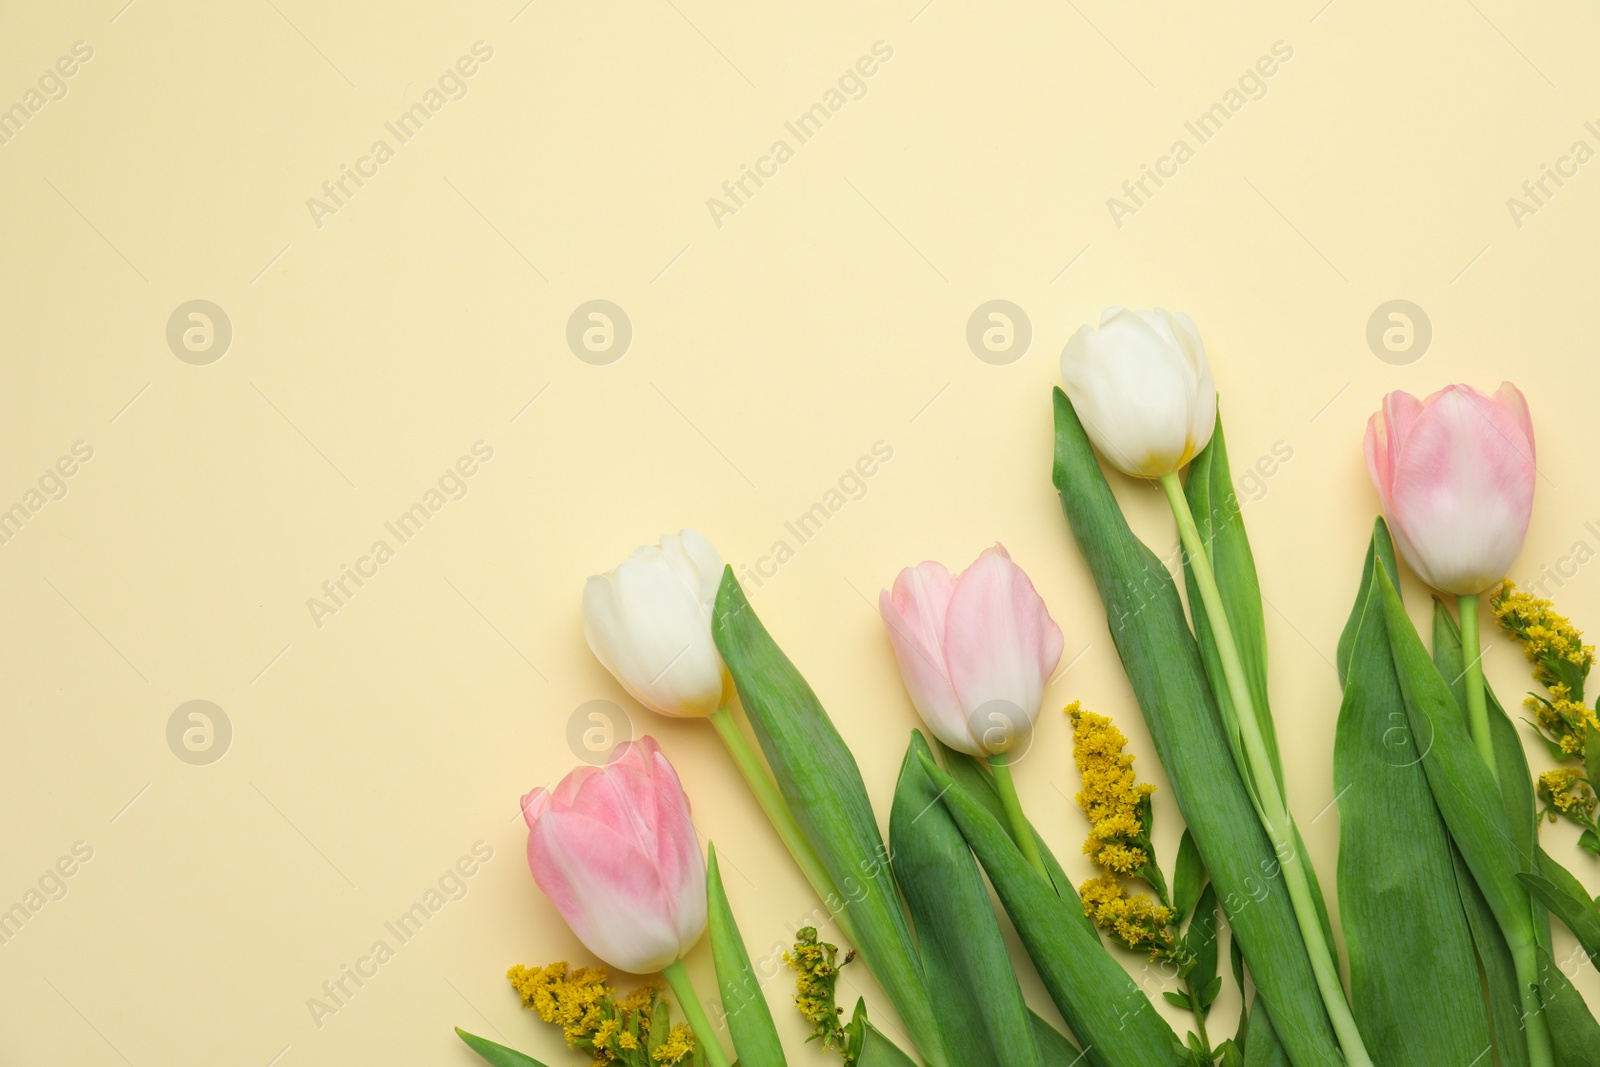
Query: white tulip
point(1142, 388)
point(649, 623)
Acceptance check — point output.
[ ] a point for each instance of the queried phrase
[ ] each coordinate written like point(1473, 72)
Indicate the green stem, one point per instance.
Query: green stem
point(1199, 1017)
point(1274, 809)
point(782, 819)
point(1524, 958)
point(695, 1013)
point(1477, 705)
point(1000, 763)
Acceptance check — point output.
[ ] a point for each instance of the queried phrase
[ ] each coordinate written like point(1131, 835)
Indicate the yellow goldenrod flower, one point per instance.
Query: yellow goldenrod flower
point(678, 1046)
point(813, 961)
point(1137, 921)
point(593, 1016)
point(1111, 796)
point(1569, 791)
point(1548, 638)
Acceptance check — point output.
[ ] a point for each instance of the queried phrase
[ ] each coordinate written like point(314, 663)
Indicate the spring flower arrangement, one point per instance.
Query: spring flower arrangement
point(1447, 900)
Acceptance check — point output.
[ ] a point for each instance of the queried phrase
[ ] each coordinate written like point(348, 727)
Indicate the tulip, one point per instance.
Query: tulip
point(649, 623)
point(1142, 388)
point(614, 850)
point(1455, 473)
point(1143, 391)
point(975, 652)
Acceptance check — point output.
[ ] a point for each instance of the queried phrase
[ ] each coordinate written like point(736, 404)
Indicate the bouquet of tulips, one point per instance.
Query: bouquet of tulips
point(1446, 897)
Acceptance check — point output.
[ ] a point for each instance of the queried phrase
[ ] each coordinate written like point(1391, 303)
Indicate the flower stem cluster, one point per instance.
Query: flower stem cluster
point(1561, 663)
point(632, 1030)
point(1117, 806)
point(814, 962)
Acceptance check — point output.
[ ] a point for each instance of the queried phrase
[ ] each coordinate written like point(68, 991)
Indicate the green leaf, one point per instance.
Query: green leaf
point(1517, 797)
point(970, 976)
point(1201, 941)
point(1265, 1047)
point(822, 784)
point(1462, 785)
point(755, 1038)
point(1180, 999)
point(879, 1051)
point(1398, 901)
point(1054, 1048)
point(1499, 969)
point(1208, 996)
point(1148, 626)
point(979, 784)
point(1229, 1055)
point(1579, 916)
point(1105, 1009)
point(1187, 876)
point(1573, 1031)
point(1591, 755)
point(498, 1055)
point(660, 1025)
point(1236, 964)
point(1217, 515)
point(1590, 842)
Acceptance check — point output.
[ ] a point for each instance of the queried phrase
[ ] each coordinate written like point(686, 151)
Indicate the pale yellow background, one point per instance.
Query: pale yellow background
point(829, 313)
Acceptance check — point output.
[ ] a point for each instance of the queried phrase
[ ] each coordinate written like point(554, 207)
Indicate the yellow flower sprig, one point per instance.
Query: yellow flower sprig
point(815, 964)
point(1114, 801)
point(631, 1030)
point(1561, 663)
point(1117, 806)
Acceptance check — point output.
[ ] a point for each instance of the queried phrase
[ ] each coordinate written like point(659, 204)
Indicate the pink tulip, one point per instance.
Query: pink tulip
point(1455, 473)
point(975, 650)
point(614, 850)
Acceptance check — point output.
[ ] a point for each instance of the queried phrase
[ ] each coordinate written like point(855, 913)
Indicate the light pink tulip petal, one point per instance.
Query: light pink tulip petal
point(535, 804)
point(1510, 397)
point(615, 850)
point(915, 617)
point(1462, 489)
point(608, 893)
point(1380, 466)
point(1000, 642)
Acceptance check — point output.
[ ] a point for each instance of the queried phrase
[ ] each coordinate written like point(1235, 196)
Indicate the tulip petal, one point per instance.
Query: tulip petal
point(605, 890)
point(615, 850)
point(652, 632)
point(915, 617)
point(1511, 399)
point(1001, 646)
point(1463, 490)
point(1143, 389)
point(696, 561)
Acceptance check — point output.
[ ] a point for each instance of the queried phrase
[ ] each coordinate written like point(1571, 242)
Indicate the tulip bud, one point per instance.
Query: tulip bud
point(649, 623)
point(1455, 473)
point(975, 650)
point(1142, 389)
point(614, 850)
